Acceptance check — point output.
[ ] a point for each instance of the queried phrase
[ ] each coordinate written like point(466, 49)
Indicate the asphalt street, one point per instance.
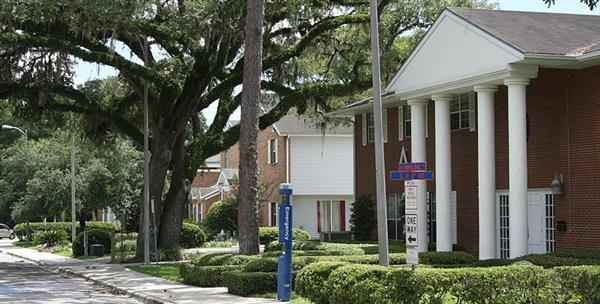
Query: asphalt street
point(25, 282)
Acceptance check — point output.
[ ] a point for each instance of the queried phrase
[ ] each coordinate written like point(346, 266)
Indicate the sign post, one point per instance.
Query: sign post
point(284, 266)
point(410, 172)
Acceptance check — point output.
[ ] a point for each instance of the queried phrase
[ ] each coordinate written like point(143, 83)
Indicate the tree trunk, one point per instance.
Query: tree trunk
point(174, 206)
point(248, 208)
point(161, 154)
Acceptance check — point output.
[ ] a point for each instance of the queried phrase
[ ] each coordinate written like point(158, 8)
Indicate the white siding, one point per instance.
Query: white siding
point(322, 165)
point(305, 212)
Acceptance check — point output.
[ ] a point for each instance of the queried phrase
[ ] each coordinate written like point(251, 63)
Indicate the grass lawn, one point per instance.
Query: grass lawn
point(168, 271)
point(25, 244)
point(296, 299)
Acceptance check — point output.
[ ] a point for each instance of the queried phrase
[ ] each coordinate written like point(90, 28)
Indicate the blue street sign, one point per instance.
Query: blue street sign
point(403, 175)
point(284, 266)
point(412, 167)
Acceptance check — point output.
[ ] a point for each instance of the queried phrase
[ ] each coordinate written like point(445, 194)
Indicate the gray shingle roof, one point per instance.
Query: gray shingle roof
point(292, 124)
point(538, 33)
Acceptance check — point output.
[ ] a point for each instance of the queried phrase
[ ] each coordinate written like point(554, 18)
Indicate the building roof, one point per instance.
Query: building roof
point(205, 179)
point(538, 33)
point(294, 124)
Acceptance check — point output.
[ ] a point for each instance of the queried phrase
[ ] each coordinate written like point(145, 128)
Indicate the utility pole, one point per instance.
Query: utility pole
point(146, 167)
point(73, 228)
point(382, 233)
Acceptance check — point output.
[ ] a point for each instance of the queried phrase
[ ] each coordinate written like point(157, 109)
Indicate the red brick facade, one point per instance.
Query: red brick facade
point(270, 174)
point(563, 109)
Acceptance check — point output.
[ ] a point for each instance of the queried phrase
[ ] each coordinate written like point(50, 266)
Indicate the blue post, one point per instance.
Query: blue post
point(284, 267)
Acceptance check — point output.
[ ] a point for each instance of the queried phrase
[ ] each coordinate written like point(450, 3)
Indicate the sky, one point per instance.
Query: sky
point(86, 71)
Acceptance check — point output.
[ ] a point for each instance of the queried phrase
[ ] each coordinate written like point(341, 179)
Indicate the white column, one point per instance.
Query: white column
point(443, 173)
point(418, 154)
point(486, 151)
point(517, 166)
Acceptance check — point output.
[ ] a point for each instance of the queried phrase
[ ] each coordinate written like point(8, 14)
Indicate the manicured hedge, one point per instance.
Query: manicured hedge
point(496, 285)
point(220, 259)
point(192, 236)
point(205, 276)
point(250, 283)
point(271, 234)
point(21, 230)
point(95, 236)
point(550, 260)
point(348, 249)
point(446, 258)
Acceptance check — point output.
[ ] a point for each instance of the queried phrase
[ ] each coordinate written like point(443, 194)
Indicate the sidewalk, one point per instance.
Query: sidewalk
point(145, 288)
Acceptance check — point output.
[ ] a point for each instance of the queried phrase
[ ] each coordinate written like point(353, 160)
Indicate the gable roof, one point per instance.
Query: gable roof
point(537, 33)
point(205, 179)
point(293, 124)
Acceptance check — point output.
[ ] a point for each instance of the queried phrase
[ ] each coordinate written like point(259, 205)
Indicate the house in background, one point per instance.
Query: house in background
point(504, 107)
point(317, 163)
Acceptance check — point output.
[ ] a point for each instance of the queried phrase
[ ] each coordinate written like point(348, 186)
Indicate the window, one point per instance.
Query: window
point(461, 112)
point(407, 121)
point(273, 153)
point(272, 214)
point(550, 227)
point(330, 216)
point(369, 127)
point(395, 215)
point(404, 122)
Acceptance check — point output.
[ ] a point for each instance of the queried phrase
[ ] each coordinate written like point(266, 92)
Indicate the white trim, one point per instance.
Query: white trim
point(385, 125)
point(449, 14)
point(364, 129)
point(269, 151)
point(287, 159)
point(400, 123)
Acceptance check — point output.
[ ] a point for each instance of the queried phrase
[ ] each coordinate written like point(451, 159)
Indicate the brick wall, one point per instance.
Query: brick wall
point(563, 108)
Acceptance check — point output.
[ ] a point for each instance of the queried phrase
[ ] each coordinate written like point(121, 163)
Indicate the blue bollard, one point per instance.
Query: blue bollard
point(284, 266)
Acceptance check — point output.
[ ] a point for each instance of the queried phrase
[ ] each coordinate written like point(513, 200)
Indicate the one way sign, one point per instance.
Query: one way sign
point(412, 238)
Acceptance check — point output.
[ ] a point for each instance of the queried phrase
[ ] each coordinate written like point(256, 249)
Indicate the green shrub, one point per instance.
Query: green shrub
point(312, 279)
point(578, 254)
point(492, 263)
point(347, 249)
point(363, 218)
point(250, 283)
point(128, 245)
point(192, 236)
point(21, 230)
point(168, 254)
point(357, 284)
point(271, 234)
point(446, 258)
point(205, 276)
point(222, 216)
point(50, 238)
point(219, 259)
point(550, 260)
point(580, 282)
point(131, 236)
point(95, 236)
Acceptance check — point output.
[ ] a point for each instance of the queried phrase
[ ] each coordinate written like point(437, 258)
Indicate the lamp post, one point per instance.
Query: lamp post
point(8, 127)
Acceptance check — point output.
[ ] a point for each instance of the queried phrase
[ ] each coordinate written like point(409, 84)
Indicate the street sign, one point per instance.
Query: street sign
point(408, 175)
point(412, 167)
point(412, 255)
point(412, 239)
point(410, 198)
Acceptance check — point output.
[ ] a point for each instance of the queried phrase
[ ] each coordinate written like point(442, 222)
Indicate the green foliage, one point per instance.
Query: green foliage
point(168, 254)
point(168, 271)
point(205, 276)
point(311, 281)
point(579, 283)
point(550, 261)
point(357, 284)
point(271, 234)
point(363, 219)
point(23, 229)
point(446, 258)
point(95, 236)
point(250, 283)
point(50, 238)
point(219, 259)
point(222, 215)
point(192, 236)
point(492, 263)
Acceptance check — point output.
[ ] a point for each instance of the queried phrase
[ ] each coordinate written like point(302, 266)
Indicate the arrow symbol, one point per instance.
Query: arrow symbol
point(412, 239)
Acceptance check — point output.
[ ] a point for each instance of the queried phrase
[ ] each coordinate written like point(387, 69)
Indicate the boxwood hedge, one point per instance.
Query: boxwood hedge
point(23, 229)
point(205, 276)
point(267, 235)
point(250, 283)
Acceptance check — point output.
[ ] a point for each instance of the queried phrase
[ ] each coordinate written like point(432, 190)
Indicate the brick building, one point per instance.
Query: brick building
point(505, 108)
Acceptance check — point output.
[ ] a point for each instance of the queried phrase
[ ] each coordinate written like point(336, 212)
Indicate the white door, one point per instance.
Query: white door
point(536, 221)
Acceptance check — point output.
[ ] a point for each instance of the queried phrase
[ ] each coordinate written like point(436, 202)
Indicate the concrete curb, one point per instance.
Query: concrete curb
point(142, 297)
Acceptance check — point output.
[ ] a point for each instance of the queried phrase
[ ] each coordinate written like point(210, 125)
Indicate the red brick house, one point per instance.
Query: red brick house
point(505, 108)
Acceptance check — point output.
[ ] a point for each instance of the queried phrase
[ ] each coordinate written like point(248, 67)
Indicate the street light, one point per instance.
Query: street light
point(7, 127)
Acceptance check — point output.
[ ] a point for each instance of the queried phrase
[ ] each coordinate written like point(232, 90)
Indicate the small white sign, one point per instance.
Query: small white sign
point(412, 239)
point(410, 198)
point(412, 256)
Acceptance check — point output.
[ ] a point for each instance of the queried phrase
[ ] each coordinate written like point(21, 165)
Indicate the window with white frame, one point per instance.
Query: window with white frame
point(407, 121)
point(461, 112)
point(273, 152)
point(272, 214)
point(369, 127)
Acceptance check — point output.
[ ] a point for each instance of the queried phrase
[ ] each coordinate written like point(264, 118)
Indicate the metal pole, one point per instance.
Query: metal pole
point(382, 233)
point(146, 167)
point(73, 228)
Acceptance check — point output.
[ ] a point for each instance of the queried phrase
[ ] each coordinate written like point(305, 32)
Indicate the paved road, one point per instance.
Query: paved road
point(24, 282)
